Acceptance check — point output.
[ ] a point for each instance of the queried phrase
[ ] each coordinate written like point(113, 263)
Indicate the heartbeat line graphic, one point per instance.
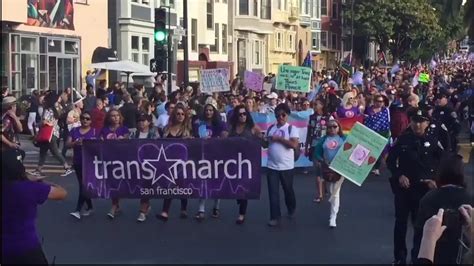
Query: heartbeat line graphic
point(201, 190)
point(103, 192)
point(234, 191)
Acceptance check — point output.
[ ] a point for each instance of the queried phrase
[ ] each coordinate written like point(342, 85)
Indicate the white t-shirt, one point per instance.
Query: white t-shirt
point(280, 157)
point(162, 120)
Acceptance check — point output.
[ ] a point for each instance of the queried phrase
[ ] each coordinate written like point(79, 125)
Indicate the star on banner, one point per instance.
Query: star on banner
point(162, 165)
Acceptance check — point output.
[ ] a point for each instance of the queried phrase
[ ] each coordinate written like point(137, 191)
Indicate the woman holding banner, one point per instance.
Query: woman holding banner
point(177, 128)
point(145, 130)
point(324, 153)
point(242, 125)
point(74, 141)
point(208, 126)
point(317, 127)
point(114, 129)
point(377, 118)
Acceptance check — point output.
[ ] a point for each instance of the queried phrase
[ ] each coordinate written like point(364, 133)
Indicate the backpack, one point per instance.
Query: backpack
point(297, 151)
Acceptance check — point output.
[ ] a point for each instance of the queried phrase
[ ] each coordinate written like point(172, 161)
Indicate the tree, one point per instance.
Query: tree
point(468, 18)
point(396, 25)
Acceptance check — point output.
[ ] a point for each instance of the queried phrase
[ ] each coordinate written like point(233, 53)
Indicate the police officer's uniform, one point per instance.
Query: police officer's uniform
point(415, 157)
point(447, 116)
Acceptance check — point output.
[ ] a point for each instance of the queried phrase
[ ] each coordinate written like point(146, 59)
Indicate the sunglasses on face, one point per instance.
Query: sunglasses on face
point(85, 118)
point(333, 126)
point(243, 114)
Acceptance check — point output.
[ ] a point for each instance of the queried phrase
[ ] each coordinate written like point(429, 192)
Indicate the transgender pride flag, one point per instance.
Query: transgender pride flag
point(299, 121)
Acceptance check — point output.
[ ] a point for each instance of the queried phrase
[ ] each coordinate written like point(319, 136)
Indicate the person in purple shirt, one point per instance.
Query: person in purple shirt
point(20, 200)
point(208, 126)
point(349, 107)
point(114, 129)
point(76, 136)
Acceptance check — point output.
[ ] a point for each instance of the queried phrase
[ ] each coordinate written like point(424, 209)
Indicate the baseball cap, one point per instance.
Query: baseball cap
point(419, 115)
point(272, 95)
point(9, 100)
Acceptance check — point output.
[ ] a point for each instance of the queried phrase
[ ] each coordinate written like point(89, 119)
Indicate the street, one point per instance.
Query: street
point(363, 234)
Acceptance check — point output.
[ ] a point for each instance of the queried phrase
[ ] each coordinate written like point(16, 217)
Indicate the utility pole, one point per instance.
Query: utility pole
point(185, 43)
point(169, 52)
point(352, 27)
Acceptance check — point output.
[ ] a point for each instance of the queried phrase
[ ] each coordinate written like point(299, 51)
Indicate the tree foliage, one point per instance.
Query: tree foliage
point(409, 29)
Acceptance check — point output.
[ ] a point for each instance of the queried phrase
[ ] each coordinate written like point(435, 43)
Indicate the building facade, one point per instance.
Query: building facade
point(51, 43)
point(251, 25)
point(331, 33)
point(209, 37)
point(303, 35)
point(282, 43)
point(131, 29)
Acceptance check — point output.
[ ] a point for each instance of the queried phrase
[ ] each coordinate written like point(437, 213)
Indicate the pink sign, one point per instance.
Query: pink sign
point(253, 81)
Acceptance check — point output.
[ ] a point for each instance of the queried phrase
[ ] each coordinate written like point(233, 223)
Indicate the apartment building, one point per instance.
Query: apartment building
point(49, 44)
point(209, 37)
point(331, 32)
point(282, 43)
point(250, 24)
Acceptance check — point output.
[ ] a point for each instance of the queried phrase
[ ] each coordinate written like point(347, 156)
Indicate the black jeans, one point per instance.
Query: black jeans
point(406, 206)
point(242, 206)
point(82, 198)
point(285, 177)
point(32, 257)
point(167, 205)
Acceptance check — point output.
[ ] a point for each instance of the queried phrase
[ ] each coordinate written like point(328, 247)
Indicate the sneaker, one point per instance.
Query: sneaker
point(141, 217)
point(183, 215)
point(77, 215)
point(332, 222)
point(87, 212)
point(67, 172)
point(273, 223)
point(112, 214)
point(376, 172)
point(215, 213)
point(200, 216)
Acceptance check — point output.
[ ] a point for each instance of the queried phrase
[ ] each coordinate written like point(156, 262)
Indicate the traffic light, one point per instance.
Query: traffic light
point(161, 40)
point(161, 32)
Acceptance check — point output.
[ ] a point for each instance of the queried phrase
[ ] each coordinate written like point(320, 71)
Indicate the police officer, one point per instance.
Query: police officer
point(412, 161)
point(445, 114)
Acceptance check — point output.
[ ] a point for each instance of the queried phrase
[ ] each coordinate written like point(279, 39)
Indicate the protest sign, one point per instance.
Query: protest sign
point(267, 87)
point(253, 81)
point(178, 168)
point(214, 80)
point(294, 78)
point(424, 77)
point(358, 155)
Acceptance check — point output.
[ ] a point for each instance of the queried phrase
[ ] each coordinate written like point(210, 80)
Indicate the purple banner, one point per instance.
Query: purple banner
point(163, 168)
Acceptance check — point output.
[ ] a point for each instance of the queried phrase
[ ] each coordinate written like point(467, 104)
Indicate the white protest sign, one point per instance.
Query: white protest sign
point(215, 80)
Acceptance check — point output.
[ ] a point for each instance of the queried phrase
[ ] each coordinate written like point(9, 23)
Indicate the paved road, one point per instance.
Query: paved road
point(363, 235)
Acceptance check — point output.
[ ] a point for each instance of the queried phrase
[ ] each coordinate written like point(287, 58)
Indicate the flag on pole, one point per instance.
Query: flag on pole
point(308, 60)
point(346, 64)
point(382, 60)
point(433, 64)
